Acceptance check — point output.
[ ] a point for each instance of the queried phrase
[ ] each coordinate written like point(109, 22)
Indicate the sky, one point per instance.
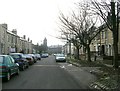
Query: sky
point(36, 19)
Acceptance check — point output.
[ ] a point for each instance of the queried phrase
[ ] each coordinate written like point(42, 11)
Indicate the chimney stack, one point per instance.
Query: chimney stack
point(14, 31)
point(24, 36)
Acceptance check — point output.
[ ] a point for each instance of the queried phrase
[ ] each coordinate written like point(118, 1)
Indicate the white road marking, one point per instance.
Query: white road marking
point(46, 65)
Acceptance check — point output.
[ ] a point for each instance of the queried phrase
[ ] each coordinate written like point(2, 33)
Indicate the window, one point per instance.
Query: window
point(103, 34)
point(12, 39)
point(106, 34)
point(9, 60)
point(8, 38)
point(23, 56)
point(1, 60)
point(16, 56)
point(13, 61)
point(98, 37)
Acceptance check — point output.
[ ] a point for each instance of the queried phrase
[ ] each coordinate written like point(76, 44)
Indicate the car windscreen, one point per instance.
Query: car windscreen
point(27, 56)
point(1, 59)
point(60, 55)
point(16, 56)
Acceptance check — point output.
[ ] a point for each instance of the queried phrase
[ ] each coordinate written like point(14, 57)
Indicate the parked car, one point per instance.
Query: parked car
point(44, 55)
point(21, 60)
point(29, 58)
point(38, 56)
point(8, 67)
point(34, 58)
point(54, 54)
point(60, 58)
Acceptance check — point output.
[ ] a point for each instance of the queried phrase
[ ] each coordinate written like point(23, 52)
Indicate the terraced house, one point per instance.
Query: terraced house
point(103, 43)
point(11, 42)
point(3, 38)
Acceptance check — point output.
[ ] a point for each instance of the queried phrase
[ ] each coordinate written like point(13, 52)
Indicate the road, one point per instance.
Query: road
point(47, 74)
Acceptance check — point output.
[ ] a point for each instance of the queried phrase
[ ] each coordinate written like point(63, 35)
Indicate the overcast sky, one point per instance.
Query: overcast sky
point(36, 19)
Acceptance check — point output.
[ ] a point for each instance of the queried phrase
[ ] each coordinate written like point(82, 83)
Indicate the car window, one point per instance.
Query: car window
point(1, 59)
point(13, 61)
point(23, 56)
point(27, 56)
point(60, 55)
point(16, 56)
point(7, 60)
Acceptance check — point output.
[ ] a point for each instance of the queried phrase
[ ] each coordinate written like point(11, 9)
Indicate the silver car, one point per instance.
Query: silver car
point(60, 58)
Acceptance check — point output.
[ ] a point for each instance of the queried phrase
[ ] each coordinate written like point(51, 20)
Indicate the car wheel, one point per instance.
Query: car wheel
point(8, 76)
point(23, 67)
point(32, 63)
point(27, 65)
point(18, 71)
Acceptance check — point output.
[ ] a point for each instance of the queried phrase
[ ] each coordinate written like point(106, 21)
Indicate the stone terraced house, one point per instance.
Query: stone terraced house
point(11, 42)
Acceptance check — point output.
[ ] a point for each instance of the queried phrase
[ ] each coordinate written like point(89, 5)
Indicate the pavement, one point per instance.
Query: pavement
point(95, 71)
point(83, 77)
point(88, 69)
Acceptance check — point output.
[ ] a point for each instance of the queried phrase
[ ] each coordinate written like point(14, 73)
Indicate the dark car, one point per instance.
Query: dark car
point(29, 58)
point(44, 55)
point(38, 56)
point(21, 60)
point(8, 67)
point(34, 58)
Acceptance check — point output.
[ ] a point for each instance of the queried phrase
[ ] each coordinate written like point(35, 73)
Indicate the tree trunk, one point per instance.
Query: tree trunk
point(115, 54)
point(70, 49)
point(115, 36)
point(78, 53)
point(88, 53)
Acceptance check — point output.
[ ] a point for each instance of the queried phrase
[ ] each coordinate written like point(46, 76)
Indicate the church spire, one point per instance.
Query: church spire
point(45, 42)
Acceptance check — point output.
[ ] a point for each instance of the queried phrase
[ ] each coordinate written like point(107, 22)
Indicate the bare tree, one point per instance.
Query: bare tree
point(111, 19)
point(78, 45)
point(70, 38)
point(83, 26)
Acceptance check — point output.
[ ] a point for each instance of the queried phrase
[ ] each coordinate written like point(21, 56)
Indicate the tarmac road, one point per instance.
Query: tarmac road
point(47, 74)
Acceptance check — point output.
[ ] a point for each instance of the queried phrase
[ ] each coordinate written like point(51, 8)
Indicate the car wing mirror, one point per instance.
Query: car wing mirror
point(17, 64)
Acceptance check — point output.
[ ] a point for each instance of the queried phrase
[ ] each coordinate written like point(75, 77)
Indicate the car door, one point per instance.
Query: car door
point(1, 64)
point(15, 66)
point(11, 65)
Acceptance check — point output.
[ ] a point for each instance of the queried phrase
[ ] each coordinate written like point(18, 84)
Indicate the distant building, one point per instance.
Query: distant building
point(55, 49)
point(45, 42)
point(45, 47)
point(69, 49)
